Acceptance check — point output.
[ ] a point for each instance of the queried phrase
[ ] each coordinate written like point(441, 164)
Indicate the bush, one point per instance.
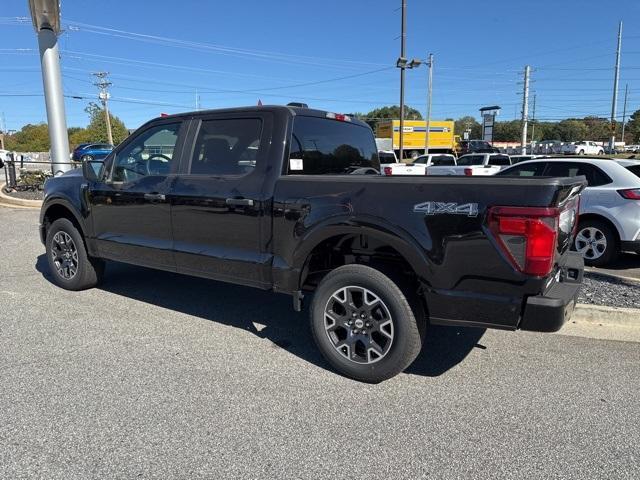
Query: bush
point(32, 179)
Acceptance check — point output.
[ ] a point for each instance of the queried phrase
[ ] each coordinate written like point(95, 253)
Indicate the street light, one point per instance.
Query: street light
point(45, 15)
point(402, 63)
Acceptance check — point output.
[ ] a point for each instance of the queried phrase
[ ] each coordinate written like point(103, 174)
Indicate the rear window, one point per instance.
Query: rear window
point(635, 169)
point(329, 147)
point(467, 160)
point(500, 160)
point(443, 161)
point(387, 157)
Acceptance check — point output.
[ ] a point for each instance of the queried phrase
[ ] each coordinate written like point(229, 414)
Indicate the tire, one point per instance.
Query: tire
point(581, 152)
point(393, 330)
point(70, 266)
point(597, 242)
point(86, 158)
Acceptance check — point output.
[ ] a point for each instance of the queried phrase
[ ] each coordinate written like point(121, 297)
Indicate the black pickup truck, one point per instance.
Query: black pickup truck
point(290, 200)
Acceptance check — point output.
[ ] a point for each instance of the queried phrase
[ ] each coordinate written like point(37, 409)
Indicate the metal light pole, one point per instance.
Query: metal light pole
point(429, 92)
point(525, 111)
point(624, 110)
point(46, 22)
point(616, 78)
point(403, 38)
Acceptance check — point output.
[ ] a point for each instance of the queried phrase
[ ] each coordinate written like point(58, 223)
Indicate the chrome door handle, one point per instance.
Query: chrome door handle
point(244, 202)
point(155, 197)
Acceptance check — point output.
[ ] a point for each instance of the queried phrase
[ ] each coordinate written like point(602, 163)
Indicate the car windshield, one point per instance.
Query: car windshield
point(467, 160)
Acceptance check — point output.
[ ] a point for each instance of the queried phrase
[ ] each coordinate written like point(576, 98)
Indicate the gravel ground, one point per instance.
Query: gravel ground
point(25, 194)
point(612, 292)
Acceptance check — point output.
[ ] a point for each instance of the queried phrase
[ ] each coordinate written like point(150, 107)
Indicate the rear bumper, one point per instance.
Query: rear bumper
point(549, 312)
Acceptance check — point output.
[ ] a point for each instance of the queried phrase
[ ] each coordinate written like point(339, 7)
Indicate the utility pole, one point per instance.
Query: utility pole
point(197, 100)
point(525, 109)
point(429, 91)
point(103, 84)
point(624, 110)
point(533, 122)
point(403, 38)
point(616, 78)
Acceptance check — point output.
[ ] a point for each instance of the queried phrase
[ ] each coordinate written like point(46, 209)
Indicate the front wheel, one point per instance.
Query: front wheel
point(581, 152)
point(364, 324)
point(72, 268)
point(597, 243)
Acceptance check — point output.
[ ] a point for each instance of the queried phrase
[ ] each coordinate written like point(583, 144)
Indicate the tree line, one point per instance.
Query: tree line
point(567, 130)
point(35, 137)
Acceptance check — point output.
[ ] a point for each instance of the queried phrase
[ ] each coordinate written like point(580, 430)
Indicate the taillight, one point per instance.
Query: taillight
point(468, 172)
point(630, 193)
point(528, 236)
point(388, 170)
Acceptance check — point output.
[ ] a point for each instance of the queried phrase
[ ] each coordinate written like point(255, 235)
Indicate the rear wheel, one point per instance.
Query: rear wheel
point(70, 265)
point(364, 324)
point(597, 243)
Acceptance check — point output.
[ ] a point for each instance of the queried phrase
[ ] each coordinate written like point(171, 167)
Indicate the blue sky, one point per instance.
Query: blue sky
point(235, 52)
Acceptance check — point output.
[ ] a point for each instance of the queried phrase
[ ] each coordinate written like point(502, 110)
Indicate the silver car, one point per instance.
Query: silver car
point(610, 205)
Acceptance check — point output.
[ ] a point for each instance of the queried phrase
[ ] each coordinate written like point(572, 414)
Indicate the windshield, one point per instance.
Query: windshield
point(467, 160)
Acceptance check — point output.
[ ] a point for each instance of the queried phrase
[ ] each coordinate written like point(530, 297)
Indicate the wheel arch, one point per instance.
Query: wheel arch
point(363, 241)
point(597, 216)
point(60, 208)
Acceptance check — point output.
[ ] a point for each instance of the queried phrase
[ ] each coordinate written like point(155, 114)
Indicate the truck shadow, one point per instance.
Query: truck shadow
point(262, 313)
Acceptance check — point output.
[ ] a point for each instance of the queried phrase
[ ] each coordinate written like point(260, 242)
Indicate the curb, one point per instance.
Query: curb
point(601, 315)
point(611, 275)
point(8, 201)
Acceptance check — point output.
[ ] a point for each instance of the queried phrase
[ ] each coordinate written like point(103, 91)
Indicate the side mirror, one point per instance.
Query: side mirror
point(91, 170)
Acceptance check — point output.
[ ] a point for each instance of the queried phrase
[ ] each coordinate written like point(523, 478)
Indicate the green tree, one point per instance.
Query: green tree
point(31, 138)
point(570, 130)
point(391, 112)
point(96, 131)
point(632, 130)
point(463, 123)
point(510, 131)
point(598, 129)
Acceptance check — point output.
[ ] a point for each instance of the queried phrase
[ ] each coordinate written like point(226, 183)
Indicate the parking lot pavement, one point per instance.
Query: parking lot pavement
point(154, 375)
point(627, 265)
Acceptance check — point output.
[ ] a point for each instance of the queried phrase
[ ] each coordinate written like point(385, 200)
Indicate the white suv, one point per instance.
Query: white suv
point(582, 148)
point(609, 206)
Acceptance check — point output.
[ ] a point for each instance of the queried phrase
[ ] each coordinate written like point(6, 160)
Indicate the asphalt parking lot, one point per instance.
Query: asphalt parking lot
point(154, 375)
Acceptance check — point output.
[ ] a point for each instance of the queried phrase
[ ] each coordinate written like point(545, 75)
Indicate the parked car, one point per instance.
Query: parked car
point(610, 205)
point(374, 253)
point(474, 164)
point(436, 160)
point(582, 148)
point(389, 165)
point(91, 151)
point(476, 146)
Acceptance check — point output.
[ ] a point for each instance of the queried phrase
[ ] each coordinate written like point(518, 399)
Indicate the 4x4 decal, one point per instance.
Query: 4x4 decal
point(440, 208)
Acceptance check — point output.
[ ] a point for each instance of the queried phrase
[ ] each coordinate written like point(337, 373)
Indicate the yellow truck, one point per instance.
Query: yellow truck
point(441, 136)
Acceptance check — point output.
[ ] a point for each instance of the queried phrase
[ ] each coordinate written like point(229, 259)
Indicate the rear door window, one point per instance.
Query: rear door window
point(226, 147)
point(635, 169)
point(595, 177)
point(322, 146)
